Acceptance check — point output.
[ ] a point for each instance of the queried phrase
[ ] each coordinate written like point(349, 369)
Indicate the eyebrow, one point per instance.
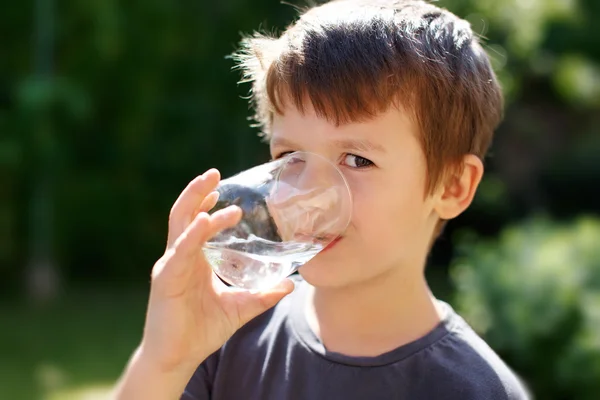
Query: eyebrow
point(357, 145)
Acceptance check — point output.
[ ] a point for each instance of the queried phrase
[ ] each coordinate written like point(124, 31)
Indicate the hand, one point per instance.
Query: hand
point(191, 313)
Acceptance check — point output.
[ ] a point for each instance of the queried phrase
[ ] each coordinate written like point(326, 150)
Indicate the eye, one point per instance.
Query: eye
point(355, 161)
point(291, 160)
point(282, 155)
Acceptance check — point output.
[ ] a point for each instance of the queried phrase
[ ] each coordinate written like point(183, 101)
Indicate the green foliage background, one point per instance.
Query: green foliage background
point(108, 109)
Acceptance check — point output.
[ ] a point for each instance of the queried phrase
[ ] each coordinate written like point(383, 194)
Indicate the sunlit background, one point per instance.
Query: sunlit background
point(108, 108)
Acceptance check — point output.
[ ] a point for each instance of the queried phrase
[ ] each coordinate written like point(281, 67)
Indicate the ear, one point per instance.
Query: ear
point(458, 190)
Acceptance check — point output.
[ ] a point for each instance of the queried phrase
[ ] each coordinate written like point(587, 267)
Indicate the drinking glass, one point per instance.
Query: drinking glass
point(292, 209)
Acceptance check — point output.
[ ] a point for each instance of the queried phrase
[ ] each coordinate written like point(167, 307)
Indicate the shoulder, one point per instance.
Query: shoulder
point(470, 367)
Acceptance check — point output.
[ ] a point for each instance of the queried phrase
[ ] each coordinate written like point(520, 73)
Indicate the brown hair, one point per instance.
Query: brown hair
point(352, 59)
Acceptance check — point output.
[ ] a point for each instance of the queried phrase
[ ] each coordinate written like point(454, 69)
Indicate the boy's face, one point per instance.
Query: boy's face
point(384, 164)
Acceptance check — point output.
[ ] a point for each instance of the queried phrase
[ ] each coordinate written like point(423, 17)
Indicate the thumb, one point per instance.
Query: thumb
point(252, 304)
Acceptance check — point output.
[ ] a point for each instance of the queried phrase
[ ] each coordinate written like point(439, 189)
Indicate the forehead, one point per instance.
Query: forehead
point(353, 144)
point(386, 130)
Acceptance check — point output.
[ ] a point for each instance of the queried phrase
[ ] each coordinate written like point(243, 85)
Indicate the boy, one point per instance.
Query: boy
point(400, 95)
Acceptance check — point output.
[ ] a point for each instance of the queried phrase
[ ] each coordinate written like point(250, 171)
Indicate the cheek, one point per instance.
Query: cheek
point(389, 208)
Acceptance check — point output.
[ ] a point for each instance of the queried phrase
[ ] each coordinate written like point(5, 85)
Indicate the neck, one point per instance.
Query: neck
point(373, 317)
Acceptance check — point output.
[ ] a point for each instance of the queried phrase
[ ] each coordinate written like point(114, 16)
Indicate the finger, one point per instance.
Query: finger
point(186, 255)
point(223, 219)
point(251, 304)
point(183, 209)
point(209, 202)
point(176, 265)
point(205, 226)
point(188, 247)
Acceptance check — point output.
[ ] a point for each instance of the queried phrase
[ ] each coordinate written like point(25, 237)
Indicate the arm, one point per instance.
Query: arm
point(191, 313)
point(144, 379)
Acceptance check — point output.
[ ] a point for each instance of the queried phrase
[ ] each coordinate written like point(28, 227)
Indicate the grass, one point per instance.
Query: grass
point(77, 347)
point(73, 349)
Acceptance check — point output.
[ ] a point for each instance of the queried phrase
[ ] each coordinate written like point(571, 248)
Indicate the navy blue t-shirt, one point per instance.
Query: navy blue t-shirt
point(277, 356)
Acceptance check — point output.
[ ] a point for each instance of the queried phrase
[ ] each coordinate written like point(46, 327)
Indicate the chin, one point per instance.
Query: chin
point(333, 272)
point(323, 273)
point(317, 272)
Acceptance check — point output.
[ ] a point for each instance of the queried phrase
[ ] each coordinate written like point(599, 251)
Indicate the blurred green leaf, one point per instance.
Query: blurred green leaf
point(534, 293)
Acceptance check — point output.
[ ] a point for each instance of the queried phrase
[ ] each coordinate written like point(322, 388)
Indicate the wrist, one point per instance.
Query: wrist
point(147, 378)
point(147, 357)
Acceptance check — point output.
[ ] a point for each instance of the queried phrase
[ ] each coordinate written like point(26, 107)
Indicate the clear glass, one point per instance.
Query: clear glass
point(292, 208)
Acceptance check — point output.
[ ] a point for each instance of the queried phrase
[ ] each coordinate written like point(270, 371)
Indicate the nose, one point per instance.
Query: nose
point(310, 198)
point(313, 172)
point(310, 181)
